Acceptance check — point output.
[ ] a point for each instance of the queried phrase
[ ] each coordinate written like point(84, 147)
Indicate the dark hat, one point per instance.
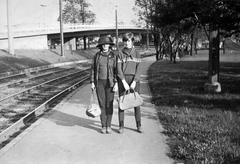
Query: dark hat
point(105, 40)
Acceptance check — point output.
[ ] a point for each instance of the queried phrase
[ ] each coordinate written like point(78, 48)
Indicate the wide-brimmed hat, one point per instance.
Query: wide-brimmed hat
point(105, 40)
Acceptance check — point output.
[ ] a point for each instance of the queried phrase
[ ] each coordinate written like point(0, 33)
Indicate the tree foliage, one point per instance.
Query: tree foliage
point(146, 9)
point(178, 18)
point(223, 13)
point(76, 11)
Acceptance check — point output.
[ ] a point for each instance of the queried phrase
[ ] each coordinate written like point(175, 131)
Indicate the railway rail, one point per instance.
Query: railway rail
point(27, 82)
point(26, 95)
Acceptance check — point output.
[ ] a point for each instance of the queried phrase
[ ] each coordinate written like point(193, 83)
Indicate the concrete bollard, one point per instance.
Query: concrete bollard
point(214, 87)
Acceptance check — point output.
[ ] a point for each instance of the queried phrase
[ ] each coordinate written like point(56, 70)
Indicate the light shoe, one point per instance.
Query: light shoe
point(121, 130)
point(104, 130)
point(109, 130)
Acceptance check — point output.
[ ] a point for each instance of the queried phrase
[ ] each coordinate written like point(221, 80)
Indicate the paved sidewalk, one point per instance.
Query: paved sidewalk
point(66, 135)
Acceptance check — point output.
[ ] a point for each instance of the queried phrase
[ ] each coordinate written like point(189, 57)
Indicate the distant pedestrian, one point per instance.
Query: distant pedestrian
point(103, 79)
point(173, 53)
point(129, 72)
point(166, 49)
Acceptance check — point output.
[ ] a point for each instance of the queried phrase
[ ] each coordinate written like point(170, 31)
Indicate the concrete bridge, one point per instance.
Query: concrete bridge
point(46, 37)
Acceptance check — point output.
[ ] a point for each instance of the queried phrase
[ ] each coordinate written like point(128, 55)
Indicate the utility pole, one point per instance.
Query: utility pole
point(61, 28)
point(44, 25)
point(10, 27)
point(116, 28)
point(83, 22)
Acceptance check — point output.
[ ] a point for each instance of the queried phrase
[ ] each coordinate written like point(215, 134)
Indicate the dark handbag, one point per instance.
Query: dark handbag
point(129, 100)
point(93, 109)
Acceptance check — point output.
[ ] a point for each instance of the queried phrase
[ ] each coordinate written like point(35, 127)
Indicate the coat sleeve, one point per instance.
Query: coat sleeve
point(119, 66)
point(138, 67)
point(92, 69)
point(115, 69)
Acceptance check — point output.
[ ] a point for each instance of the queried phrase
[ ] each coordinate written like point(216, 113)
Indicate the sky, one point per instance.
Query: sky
point(45, 12)
point(105, 10)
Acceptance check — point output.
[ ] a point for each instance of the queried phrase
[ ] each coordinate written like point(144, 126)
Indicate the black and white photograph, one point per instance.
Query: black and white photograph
point(119, 82)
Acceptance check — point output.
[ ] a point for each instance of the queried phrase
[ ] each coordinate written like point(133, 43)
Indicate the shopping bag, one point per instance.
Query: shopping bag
point(129, 100)
point(93, 109)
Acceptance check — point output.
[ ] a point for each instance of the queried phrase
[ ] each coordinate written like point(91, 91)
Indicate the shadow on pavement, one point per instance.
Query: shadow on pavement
point(64, 119)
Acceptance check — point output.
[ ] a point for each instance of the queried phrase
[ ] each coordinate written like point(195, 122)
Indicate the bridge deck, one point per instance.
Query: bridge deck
point(70, 28)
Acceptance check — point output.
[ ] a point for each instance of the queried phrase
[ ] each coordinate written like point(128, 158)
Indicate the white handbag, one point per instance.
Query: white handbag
point(93, 109)
point(129, 100)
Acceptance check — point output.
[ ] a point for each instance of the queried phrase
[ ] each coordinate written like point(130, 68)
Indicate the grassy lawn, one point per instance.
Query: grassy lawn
point(201, 127)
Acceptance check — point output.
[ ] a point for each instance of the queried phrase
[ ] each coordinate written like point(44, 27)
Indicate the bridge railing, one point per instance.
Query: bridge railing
point(66, 27)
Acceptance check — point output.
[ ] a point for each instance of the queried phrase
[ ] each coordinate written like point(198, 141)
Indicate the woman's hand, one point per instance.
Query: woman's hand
point(93, 86)
point(125, 85)
point(133, 85)
point(115, 87)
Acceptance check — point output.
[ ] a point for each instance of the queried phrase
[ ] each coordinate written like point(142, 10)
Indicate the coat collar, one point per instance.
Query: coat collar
point(128, 51)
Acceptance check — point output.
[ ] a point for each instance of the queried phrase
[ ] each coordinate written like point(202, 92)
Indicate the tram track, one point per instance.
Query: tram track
point(28, 82)
point(22, 77)
point(31, 97)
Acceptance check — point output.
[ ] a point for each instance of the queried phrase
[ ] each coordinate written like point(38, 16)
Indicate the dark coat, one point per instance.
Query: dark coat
point(112, 68)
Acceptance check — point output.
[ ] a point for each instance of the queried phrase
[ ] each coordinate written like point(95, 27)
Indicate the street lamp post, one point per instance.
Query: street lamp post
point(10, 28)
point(61, 28)
point(116, 28)
point(44, 16)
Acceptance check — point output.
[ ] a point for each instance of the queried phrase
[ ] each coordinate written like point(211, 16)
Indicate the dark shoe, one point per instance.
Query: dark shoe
point(139, 128)
point(104, 130)
point(121, 129)
point(109, 130)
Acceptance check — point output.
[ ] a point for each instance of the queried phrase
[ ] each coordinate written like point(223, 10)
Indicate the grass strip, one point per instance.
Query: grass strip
point(201, 127)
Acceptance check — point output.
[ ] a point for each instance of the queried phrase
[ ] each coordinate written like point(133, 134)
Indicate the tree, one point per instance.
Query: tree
point(146, 9)
point(214, 16)
point(76, 11)
point(164, 20)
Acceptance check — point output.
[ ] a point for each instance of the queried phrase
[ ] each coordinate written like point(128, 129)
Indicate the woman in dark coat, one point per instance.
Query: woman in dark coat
point(103, 79)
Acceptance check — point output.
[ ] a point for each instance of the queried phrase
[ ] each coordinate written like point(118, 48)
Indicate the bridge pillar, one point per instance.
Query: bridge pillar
point(70, 44)
point(73, 43)
point(85, 42)
point(88, 42)
point(76, 38)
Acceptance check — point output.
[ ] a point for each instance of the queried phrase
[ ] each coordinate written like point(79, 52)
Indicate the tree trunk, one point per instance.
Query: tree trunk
point(85, 42)
point(191, 50)
point(213, 84)
point(213, 69)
